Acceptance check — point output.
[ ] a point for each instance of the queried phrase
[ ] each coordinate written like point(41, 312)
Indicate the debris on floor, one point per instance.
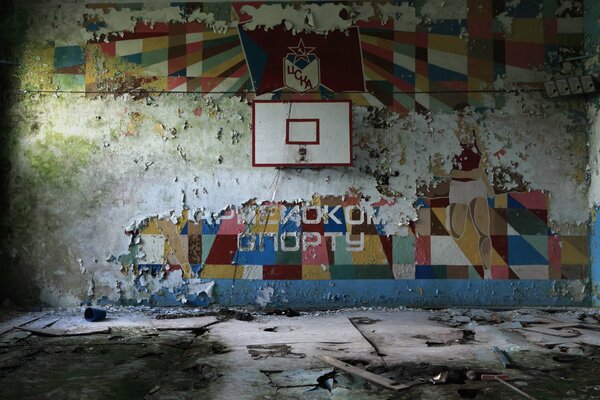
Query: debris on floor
point(146, 353)
point(261, 351)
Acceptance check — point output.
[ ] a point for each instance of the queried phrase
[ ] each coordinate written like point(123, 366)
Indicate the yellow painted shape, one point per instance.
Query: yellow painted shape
point(421, 82)
point(89, 67)
point(193, 58)
point(496, 259)
point(372, 75)
point(168, 253)
point(440, 213)
point(152, 228)
point(570, 255)
point(155, 43)
point(159, 83)
point(372, 254)
point(181, 221)
point(469, 243)
point(222, 271)
point(219, 69)
point(501, 201)
point(378, 42)
point(447, 43)
point(526, 30)
point(357, 98)
point(315, 272)
point(172, 238)
point(316, 200)
point(267, 221)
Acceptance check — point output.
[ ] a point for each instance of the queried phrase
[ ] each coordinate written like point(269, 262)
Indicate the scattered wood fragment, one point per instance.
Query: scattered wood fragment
point(371, 377)
point(183, 323)
point(493, 377)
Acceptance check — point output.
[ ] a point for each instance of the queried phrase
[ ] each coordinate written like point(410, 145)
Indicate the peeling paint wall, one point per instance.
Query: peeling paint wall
point(131, 143)
point(592, 66)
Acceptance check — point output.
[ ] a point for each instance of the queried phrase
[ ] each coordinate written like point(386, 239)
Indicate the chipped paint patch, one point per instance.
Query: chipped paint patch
point(320, 18)
point(264, 296)
point(435, 10)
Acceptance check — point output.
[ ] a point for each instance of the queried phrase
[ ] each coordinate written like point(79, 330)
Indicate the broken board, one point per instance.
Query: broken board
point(183, 323)
point(371, 377)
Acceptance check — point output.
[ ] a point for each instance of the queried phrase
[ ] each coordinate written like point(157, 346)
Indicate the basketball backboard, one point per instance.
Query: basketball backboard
point(301, 133)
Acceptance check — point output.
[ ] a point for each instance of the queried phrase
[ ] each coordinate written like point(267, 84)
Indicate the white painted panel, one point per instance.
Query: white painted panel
point(276, 122)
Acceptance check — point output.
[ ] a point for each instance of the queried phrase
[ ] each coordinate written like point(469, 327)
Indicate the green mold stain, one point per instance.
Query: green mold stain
point(56, 158)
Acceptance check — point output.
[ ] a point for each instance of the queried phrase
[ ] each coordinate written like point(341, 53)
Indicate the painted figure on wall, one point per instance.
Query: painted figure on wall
point(470, 189)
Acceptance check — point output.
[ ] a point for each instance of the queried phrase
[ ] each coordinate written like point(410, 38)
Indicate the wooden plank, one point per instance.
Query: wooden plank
point(183, 323)
point(553, 332)
point(371, 377)
point(77, 331)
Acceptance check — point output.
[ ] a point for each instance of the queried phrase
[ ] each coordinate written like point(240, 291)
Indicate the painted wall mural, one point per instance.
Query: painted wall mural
point(466, 180)
point(334, 238)
point(386, 60)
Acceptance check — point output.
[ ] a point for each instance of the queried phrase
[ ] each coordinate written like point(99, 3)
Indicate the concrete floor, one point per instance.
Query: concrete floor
point(224, 354)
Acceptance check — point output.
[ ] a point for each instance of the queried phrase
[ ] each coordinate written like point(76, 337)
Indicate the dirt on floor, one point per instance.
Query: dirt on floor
point(153, 362)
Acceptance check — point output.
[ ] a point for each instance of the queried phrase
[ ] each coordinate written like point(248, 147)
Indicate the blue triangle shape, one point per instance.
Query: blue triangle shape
point(512, 203)
point(520, 252)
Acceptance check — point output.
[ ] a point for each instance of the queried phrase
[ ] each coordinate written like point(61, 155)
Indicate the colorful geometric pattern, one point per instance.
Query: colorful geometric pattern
point(429, 65)
point(182, 57)
point(457, 58)
point(69, 68)
point(523, 245)
point(333, 238)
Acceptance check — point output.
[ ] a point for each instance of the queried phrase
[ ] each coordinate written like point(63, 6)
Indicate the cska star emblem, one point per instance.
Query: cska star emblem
point(301, 69)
